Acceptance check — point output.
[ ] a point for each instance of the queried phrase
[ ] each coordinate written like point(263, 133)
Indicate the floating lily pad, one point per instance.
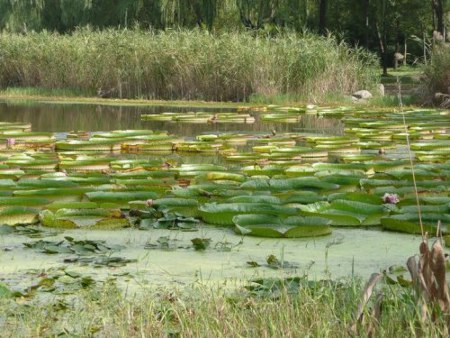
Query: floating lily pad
point(408, 224)
point(120, 196)
point(222, 214)
point(87, 218)
point(19, 215)
point(292, 227)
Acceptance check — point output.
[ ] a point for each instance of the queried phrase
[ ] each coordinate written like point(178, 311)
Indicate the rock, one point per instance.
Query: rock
point(441, 96)
point(445, 104)
point(398, 56)
point(381, 89)
point(437, 36)
point(443, 100)
point(362, 94)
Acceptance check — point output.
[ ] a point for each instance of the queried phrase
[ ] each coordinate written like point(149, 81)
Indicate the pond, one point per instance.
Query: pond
point(154, 195)
point(54, 117)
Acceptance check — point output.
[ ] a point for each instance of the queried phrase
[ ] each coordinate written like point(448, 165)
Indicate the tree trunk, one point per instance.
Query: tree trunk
point(323, 16)
point(397, 43)
point(366, 24)
point(382, 41)
point(424, 36)
point(405, 51)
point(262, 7)
point(438, 15)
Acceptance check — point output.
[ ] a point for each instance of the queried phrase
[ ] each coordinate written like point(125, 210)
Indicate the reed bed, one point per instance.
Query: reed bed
point(185, 65)
point(437, 72)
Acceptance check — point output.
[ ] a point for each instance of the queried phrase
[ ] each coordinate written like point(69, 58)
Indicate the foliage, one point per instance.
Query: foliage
point(366, 23)
point(437, 72)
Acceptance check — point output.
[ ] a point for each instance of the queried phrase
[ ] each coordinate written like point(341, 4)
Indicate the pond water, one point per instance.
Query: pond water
point(161, 256)
point(53, 117)
point(349, 252)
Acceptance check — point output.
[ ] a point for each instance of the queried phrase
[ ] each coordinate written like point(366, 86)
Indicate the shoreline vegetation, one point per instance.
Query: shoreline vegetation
point(186, 65)
point(266, 308)
point(437, 75)
point(68, 97)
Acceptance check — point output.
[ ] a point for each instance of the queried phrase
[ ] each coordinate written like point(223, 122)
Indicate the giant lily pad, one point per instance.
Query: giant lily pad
point(272, 226)
point(120, 196)
point(18, 215)
point(222, 214)
point(409, 225)
point(92, 218)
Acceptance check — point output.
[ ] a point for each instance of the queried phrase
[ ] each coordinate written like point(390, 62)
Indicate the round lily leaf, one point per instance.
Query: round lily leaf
point(272, 226)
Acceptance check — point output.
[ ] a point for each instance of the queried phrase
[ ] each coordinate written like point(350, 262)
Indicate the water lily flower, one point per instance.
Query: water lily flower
point(390, 198)
point(10, 142)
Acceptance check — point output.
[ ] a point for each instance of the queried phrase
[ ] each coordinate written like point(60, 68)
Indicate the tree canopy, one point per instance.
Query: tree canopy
point(382, 25)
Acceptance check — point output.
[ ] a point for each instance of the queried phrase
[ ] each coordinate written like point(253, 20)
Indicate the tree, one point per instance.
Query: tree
point(255, 13)
point(376, 24)
point(438, 16)
point(21, 16)
point(189, 13)
point(382, 23)
point(323, 4)
point(366, 5)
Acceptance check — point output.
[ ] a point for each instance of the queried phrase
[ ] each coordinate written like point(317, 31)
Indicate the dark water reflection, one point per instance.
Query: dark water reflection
point(54, 117)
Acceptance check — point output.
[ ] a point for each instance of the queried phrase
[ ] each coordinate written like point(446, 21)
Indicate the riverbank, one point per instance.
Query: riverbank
point(16, 95)
point(67, 97)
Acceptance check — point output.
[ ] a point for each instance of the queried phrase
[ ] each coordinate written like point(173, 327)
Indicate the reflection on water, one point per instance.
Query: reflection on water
point(68, 117)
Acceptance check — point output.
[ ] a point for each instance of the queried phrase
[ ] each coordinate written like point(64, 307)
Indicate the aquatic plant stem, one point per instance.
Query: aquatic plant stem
point(416, 193)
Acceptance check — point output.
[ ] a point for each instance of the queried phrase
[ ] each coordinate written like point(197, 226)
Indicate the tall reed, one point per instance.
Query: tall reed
point(184, 64)
point(437, 72)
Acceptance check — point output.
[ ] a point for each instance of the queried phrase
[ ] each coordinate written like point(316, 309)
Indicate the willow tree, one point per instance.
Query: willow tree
point(21, 16)
point(256, 14)
point(58, 15)
point(189, 13)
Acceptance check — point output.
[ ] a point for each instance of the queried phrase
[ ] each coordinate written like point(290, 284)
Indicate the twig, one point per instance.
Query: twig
point(419, 211)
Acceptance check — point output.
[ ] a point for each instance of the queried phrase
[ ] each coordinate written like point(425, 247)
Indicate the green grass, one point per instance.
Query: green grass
point(44, 92)
point(393, 101)
point(187, 65)
point(314, 309)
point(72, 97)
point(408, 74)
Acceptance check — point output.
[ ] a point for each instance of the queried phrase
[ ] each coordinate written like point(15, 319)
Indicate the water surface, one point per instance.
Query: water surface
point(357, 251)
point(53, 117)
